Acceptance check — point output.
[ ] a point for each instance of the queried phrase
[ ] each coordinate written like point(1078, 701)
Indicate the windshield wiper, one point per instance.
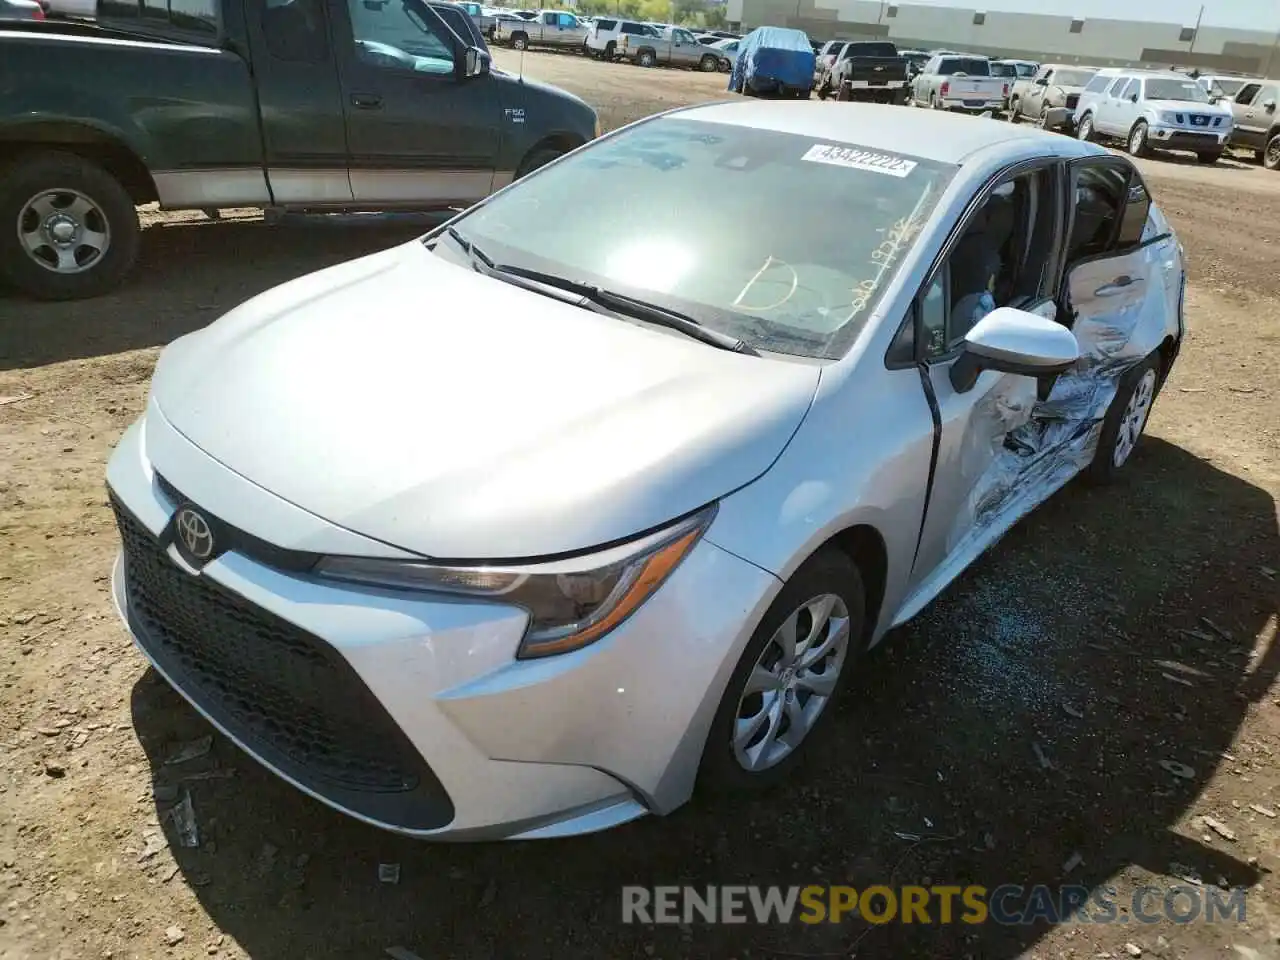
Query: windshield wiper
point(598, 298)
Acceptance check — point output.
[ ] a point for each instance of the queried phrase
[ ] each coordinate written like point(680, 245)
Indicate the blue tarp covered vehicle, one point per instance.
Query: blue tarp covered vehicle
point(774, 60)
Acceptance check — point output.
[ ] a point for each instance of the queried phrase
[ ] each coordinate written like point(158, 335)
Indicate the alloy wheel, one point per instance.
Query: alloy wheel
point(64, 231)
point(1134, 418)
point(791, 683)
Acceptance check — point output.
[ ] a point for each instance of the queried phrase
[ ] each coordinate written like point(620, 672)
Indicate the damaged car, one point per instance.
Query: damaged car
point(530, 526)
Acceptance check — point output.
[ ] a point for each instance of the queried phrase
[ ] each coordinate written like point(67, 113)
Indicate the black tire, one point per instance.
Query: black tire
point(646, 59)
point(709, 64)
point(536, 158)
point(828, 571)
point(1104, 468)
point(1136, 144)
point(1209, 157)
point(1271, 155)
point(1014, 115)
point(51, 172)
point(610, 50)
point(519, 41)
point(1085, 130)
point(844, 93)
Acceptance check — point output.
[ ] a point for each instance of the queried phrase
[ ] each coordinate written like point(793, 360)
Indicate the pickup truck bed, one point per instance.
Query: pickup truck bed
point(250, 107)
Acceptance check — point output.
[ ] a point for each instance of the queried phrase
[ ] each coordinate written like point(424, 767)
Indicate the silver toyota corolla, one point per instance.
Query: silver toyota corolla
point(525, 527)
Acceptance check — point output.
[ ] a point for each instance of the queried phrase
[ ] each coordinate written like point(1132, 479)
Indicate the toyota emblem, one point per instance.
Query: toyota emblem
point(193, 530)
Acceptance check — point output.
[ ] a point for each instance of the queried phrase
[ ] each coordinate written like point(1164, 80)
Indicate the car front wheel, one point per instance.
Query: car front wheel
point(1126, 419)
point(1085, 130)
point(788, 677)
point(1138, 139)
point(1271, 155)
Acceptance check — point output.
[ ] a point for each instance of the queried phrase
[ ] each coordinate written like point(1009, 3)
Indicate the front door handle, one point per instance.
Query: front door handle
point(1118, 285)
point(366, 101)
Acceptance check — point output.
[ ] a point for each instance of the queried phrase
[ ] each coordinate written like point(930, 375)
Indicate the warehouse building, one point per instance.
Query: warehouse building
point(1043, 37)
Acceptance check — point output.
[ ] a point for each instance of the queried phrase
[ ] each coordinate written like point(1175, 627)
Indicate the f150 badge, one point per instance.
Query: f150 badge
point(514, 114)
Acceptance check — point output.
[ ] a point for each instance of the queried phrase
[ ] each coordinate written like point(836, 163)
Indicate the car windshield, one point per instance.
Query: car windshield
point(835, 223)
point(1003, 70)
point(971, 66)
point(1227, 87)
point(1025, 69)
point(1072, 78)
point(1159, 88)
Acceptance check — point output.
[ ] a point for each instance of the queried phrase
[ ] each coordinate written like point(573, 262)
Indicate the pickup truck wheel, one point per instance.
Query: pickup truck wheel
point(1014, 115)
point(1085, 130)
point(537, 158)
point(1138, 139)
point(1271, 155)
point(519, 42)
point(844, 92)
point(709, 64)
point(610, 49)
point(646, 58)
point(68, 229)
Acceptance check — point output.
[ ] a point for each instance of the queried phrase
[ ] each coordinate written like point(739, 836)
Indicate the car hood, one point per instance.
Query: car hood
point(417, 402)
point(1189, 106)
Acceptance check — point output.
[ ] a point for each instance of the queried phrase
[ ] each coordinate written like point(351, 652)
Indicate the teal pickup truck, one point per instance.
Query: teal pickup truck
point(285, 104)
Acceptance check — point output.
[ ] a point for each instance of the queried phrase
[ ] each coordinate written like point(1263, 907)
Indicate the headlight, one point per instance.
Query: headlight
point(1171, 118)
point(571, 603)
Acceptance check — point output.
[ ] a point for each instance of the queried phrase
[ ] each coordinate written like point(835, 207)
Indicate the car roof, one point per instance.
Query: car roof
point(934, 135)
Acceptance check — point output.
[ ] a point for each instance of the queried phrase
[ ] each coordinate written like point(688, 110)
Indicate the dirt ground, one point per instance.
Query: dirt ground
point(1111, 632)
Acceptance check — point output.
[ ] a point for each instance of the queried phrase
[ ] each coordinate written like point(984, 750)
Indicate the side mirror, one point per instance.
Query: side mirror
point(1269, 106)
point(1014, 341)
point(1042, 82)
point(475, 63)
point(1133, 98)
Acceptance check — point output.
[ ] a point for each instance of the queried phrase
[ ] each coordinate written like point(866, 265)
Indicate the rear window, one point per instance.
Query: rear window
point(606, 24)
point(971, 66)
point(638, 29)
point(1003, 70)
point(871, 50)
point(1076, 78)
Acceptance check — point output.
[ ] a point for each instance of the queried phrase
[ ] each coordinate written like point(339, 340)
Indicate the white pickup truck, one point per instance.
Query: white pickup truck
point(958, 82)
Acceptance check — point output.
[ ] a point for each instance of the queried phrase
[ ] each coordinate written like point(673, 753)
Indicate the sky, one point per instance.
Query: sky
point(1246, 14)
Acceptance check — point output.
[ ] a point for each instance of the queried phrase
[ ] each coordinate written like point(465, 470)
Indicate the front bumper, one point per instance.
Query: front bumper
point(410, 712)
point(971, 106)
point(1174, 138)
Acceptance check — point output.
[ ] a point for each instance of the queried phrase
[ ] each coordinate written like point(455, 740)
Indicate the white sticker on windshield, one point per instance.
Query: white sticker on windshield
point(857, 159)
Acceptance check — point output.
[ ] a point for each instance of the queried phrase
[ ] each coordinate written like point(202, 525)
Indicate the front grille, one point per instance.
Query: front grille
point(1208, 139)
point(280, 690)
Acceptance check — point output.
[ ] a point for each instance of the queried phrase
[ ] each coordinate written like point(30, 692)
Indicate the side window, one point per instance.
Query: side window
point(295, 30)
point(396, 36)
point(684, 36)
point(1137, 208)
point(1269, 95)
point(1100, 192)
point(1132, 88)
point(1096, 85)
point(606, 25)
point(196, 16)
point(932, 309)
point(1116, 86)
point(568, 20)
point(549, 19)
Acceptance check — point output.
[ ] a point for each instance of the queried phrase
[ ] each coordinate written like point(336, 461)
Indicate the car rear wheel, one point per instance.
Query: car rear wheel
point(1014, 115)
point(708, 64)
point(1138, 139)
point(519, 42)
point(646, 58)
point(68, 228)
point(610, 49)
point(791, 672)
point(1271, 155)
point(1126, 419)
point(1085, 130)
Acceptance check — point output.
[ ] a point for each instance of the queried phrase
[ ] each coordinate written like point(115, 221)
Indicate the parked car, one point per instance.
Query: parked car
point(265, 119)
point(1054, 86)
point(605, 38)
point(827, 55)
point(551, 28)
point(1017, 69)
point(672, 47)
point(1151, 110)
point(960, 83)
point(485, 17)
point(869, 70)
point(21, 10)
point(645, 588)
point(1256, 123)
point(728, 51)
point(774, 61)
point(916, 59)
point(1220, 85)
